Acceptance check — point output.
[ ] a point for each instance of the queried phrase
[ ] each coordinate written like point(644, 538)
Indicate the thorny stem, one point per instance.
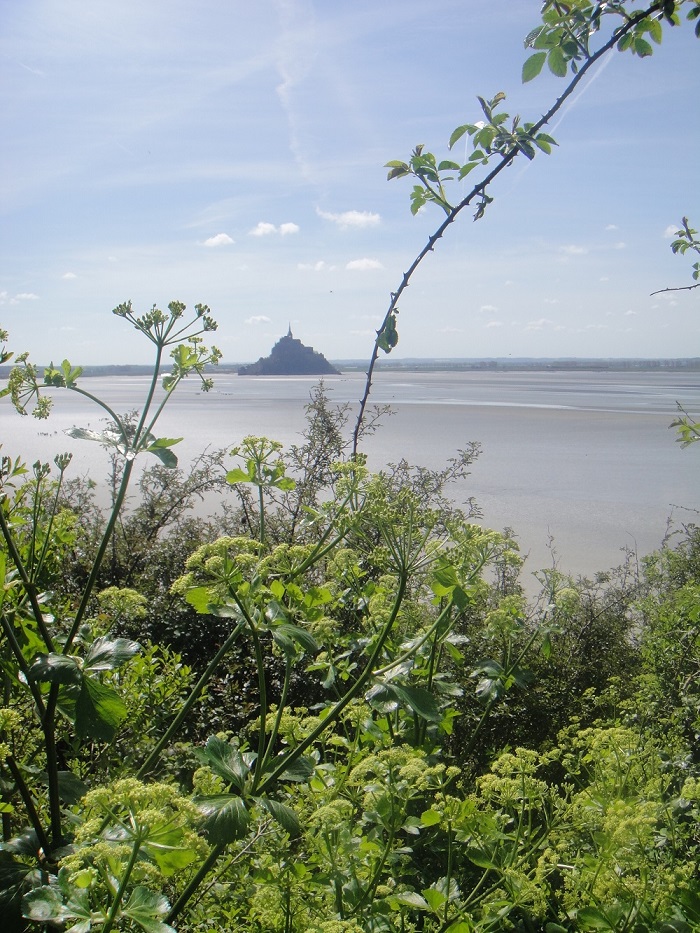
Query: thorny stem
point(479, 190)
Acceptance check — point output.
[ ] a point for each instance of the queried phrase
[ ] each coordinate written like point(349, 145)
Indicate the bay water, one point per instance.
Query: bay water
point(581, 465)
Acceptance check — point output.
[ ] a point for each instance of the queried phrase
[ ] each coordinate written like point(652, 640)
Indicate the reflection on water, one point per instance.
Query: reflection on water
point(584, 458)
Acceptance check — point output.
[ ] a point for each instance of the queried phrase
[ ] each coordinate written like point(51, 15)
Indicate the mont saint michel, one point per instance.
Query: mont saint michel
point(289, 357)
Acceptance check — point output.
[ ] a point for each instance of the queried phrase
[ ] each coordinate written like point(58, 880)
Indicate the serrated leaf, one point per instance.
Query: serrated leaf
point(590, 918)
point(199, 598)
point(56, 669)
point(299, 770)
point(108, 654)
point(99, 711)
point(412, 899)
point(421, 701)
point(430, 818)
point(287, 635)
point(282, 814)
point(237, 475)
point(146, 908)
point(226, 817)
point(557, 62)
point(166, 457)
point(226, 760)
point(533, 66)
point(70, 788)
point(480, 857)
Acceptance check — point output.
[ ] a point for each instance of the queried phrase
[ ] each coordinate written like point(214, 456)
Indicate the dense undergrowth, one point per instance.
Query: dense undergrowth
point(331, 708)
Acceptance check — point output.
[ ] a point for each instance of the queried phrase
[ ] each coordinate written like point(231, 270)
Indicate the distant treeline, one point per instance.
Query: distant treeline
point(505, 364)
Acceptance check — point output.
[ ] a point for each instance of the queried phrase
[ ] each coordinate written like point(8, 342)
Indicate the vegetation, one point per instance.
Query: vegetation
point(331, 708)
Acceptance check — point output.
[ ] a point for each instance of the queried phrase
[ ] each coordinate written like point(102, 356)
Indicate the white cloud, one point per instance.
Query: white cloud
point(573, 250)
point(69, 275)
point(319, 266)
point(451, 330)
point(221, 239)
point(670, 231)
point(627, 313)
point(26, 296)
point(363, 265)
point(604, 278)
point(258, 319)
point(611, 227)
point(488, 309)
point(267, 229)
point(351, 218)
point(539, 324)
point(619, 245)
point(494, 324)
point(551, 301)
point(263, 229)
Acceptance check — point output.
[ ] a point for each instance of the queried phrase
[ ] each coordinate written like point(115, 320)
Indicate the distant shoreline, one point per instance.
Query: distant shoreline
point(497, 364)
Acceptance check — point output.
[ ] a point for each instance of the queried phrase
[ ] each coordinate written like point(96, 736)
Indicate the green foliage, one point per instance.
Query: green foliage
point(413, 746)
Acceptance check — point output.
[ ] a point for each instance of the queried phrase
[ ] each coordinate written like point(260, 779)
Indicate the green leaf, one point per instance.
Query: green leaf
point(480, 857)
point(108, 654)
point(146, 908)
point(557, 62)
point(226, 817)
point(70, 788)
point(237, 475)
point(590, 918)
point(226, 760)
point(288, 635)
point(388, 336)
point(99, 711)
point(299, 770)
point(412, 899)
point(421, 701)
point(199, 598)
point(436, 899)
point(533, 66)
point(282, 814)
point(430, 818)
point(641, 47)
point(56, 669)
point(458, 134)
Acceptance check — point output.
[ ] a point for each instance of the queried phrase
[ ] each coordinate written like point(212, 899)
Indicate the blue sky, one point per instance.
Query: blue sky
point(232, 153)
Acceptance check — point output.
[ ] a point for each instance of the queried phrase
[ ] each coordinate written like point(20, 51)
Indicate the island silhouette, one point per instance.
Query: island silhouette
point(289, 357)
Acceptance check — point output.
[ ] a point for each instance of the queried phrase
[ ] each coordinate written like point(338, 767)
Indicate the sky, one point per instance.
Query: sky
point(233, 154)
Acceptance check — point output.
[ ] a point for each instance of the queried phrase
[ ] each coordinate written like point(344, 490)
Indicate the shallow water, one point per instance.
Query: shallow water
point(584, 459)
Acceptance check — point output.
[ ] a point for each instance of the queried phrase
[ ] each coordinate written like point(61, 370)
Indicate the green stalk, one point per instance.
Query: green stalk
point(350, 695)
point(280, 710)
point(195, 882)
point(189, 703)
point(29, 586)
point(119, 896)
point(97, 563)
point(34, 817)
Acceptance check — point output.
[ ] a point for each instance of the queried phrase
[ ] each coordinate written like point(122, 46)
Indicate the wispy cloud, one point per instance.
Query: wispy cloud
point(288, 228)
point(611, 227)
point(488, 309)
point(494, 324)
point(220, 239)
point(363, 265)
point(348, 219)
point(69, 275)
point(572, 249)
point(26, 296)
point(258, 319)
point(670, 231)
point(540, 324)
